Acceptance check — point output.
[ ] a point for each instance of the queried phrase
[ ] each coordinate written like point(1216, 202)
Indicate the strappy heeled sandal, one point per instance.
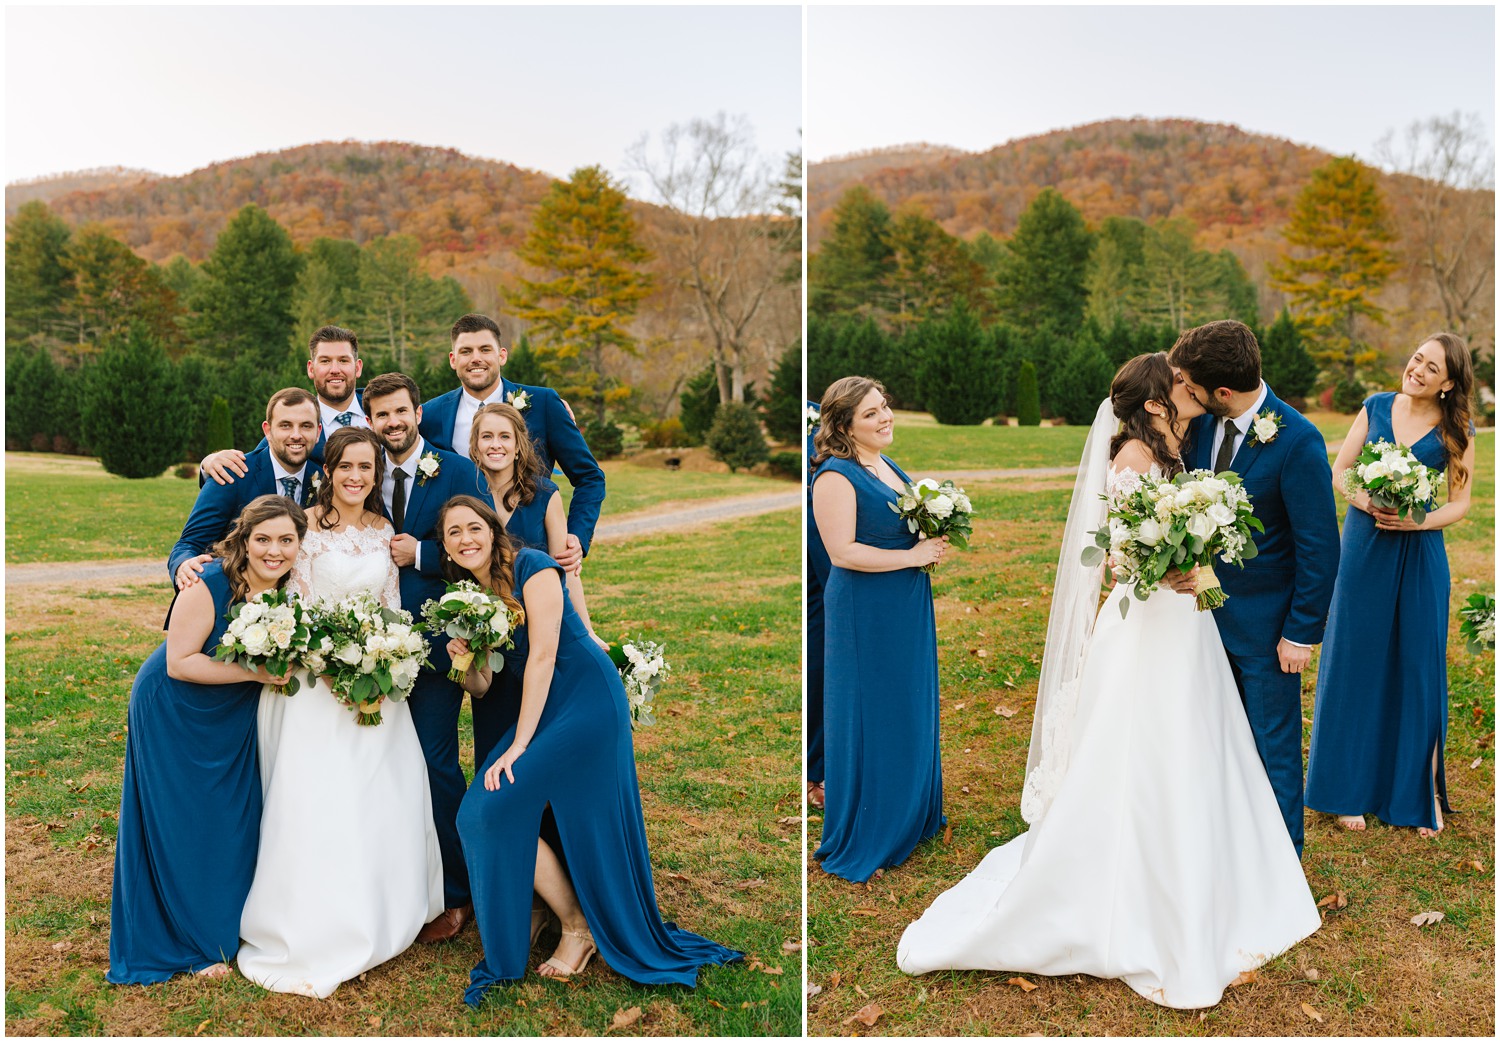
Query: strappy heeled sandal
point(540, 917)
point(560, 969)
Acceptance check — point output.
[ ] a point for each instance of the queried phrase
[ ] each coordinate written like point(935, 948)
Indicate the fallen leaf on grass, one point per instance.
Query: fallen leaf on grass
point(694, 823)
point(62, 946)
point(749, 884)
point(624, 1018)
point(813, 989)
point(861, 992)
point(1476, 763)
point(374, 1022)
point(1471, 866)
point(1311, 973)
point(1426, 918)
point(1248, 977)
point(789, 821)
point(863, 910)
point(866, 1016)
point(1312, 1014)
point(948, 836)
point(964, 790)
point(959, 706)
point(1022, 983)
point(1005, 711)
point(716, 1004)
point(678, 876)
point(199, 1029)
point(751, 1005)
point(791, 946)
point(1336, 900)
point(834, 978)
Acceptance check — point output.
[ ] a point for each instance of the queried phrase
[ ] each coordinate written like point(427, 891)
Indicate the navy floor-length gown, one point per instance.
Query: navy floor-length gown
point(882, 765)
point(1382, 699)
point(189, 817)
point(581, 763)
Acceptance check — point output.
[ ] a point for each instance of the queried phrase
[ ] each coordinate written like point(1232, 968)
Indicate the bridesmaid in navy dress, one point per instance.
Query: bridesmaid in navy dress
point(190, 811)
point(571, 751)
point(532, 510)
point(880, 683)
point(1381, 715)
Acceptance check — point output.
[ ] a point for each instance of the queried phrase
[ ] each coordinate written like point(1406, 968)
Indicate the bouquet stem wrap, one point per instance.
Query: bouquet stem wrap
point(1211, 594)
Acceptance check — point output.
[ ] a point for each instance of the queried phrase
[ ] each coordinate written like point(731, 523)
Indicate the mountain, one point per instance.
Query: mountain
point(18, 193)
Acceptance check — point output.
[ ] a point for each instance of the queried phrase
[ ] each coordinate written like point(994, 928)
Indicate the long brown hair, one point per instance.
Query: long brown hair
point(1453, 429)
point(234, 548)
point(1145, 378)
point(333, 453)
point(502, 579)
point(836, 416)
point(528, 462)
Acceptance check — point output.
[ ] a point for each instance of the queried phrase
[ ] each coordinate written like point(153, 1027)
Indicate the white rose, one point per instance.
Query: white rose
point(1201, 526)
point(1221, 515)
point(1265, 429)
point(228, 638)
point(940, 506)
point(1164, 506)
point(1372, 471)
point(1119, 533)
point(349, 654)
point(367, 663)
point(1150, 533)
point(928, 483)
point(252, 612)
point(255, 638)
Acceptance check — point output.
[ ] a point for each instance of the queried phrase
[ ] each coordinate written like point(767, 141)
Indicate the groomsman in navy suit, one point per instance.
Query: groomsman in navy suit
point(478, 356)
point(818, 569)
point(1278, 603)
point(291, 429)
point(333, 365)
point(419, 479)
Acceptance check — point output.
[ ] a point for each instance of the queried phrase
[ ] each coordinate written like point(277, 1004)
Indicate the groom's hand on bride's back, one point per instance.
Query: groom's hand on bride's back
point(224, 466)
point(1182, 582)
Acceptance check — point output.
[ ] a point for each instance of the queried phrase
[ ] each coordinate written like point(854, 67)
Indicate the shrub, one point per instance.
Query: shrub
point(735, 437)
point(958, 377)
point(606, 440)
point(185, 470)
point(1028, 398)
point(220, 433)
point(130, 395)
point(1081, 380)
point(1348, 396)
point(666, 434)
point(786, 464)
point(784, 402)
point(700, 401)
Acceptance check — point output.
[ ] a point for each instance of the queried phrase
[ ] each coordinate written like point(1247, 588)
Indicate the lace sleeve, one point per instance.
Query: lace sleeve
point(390, 593)
point(300, 583)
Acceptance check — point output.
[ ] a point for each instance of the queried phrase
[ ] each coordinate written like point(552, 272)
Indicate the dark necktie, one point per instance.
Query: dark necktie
point(343, 419)
point(289, 489)
point(1226, 448)
point(398, 500)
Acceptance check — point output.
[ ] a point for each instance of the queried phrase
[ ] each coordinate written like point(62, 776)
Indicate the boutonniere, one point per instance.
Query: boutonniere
point(1266, 426)
point(315, 482)
point(428, 467)
point(520, 399)
point(814, 418)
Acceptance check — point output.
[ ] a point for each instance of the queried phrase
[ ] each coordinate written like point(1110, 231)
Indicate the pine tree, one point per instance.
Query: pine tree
point(131, 396)
point(849, 273)
point(584, 237)
point(1028, 398)
point(1081, 377)
point(957, 373)
point(1284, 360)
point(523, 366)
point(700, 403)
point(783, 405)
point(109, 289)
point(220, 434)
point(244, 304)
point(32, 381)
point(1339, 260)
point(931, 272)
point(1041, 282)
point(328, 287)
point(36, 283)
point(735, 437)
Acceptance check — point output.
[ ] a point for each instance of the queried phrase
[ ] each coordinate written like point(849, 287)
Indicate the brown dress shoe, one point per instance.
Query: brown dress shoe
point(446, 926)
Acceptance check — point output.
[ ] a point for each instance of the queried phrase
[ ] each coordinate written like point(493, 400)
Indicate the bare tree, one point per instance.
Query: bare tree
point(727, 239)
point(1449, 196)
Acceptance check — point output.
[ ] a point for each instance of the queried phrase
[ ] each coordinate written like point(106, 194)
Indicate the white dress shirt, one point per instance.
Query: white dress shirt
point(1242, 425)
point(388, 483)
point(329, 412)
point(463, 417)
point(281, 472)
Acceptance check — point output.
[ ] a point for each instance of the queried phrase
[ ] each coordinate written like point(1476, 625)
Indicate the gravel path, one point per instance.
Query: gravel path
point(49, 573)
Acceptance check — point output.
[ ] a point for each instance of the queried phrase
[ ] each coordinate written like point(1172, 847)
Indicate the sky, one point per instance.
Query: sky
point(173, 89)
point(1337, 78)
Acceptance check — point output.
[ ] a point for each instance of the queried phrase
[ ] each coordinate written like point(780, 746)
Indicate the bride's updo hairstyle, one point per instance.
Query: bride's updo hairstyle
point(333, 451)
point(502, 580)
point(233, 549)
point(836, 416)
point(1145, 378)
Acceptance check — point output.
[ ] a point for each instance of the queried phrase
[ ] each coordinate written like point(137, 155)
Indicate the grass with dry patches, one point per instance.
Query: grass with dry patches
point(1367, 971)
point(54, 504)
point(719, 781)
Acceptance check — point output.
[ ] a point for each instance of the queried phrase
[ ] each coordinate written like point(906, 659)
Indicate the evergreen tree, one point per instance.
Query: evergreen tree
point(1232, 282)
point(1119, 346)
point(131, 396)
point(1339, 260)
point(584, 237)
point(700, 403)
point(957, 373)
point(735, 437)
point(401, 307)
point(930, 270)
point(1082, 377)
point(851, 268)
point(1028, 397)
point(1041, 282)
point(32, 381)
point(328, 288)
point(1177, 279)
point(244, 304)
point(523, 366)
point(36, 282)
point(1116, 271)
point(110, 289)
point(1284, 360)
point(783, 404)
point(825, 360)
point(220, 434)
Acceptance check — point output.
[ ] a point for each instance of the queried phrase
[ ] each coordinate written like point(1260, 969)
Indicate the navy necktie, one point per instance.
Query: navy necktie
point(343, 419)
point(398, 500)
point(289, 489)
point(1226, 448)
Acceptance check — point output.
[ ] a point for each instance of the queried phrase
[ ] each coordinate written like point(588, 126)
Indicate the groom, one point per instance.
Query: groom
point(413, 492)
point(1278, 602)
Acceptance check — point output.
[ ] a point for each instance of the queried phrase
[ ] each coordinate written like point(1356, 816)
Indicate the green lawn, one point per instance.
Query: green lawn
point(54, 505)
point(1367, 971)
point(719, 778)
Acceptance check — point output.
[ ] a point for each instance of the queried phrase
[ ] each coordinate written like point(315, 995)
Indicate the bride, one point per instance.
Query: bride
point(349, 868)
point(1157, 853)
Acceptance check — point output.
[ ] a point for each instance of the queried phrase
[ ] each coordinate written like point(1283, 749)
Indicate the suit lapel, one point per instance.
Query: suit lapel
point(415, 493)
point(1203, 442)
point(1251, 448)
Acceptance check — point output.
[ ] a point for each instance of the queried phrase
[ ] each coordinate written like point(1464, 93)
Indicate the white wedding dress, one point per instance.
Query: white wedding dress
point(349, 868)
point(1162, 858)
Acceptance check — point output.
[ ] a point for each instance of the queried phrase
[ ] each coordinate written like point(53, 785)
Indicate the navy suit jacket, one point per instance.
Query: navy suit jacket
point(557, 438)
point(315, 454)
point(819, 566)
point(218, 505)
point(1285, 590)
point(456, 476)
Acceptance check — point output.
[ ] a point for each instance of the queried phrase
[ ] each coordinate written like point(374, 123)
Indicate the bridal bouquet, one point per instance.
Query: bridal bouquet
point(1155, 524)
point(1479, 622)
point(465, 611)
point(368, 652)
point(642, 667)
point(272, 629)
point(936, 509)
point(1394, 478)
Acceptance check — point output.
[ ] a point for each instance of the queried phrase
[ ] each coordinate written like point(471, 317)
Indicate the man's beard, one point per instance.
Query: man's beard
point(280, 452)
point(395, 448)
point(327, 396)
